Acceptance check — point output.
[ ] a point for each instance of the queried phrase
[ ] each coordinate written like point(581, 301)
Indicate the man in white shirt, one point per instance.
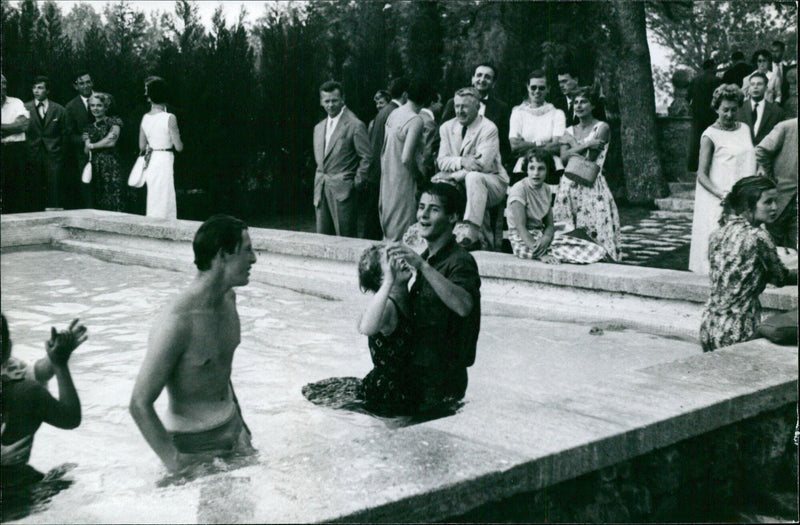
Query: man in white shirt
point(757, 112)
point(342, 152)
point(14, 122)
point(78, 117)
point(47, 140)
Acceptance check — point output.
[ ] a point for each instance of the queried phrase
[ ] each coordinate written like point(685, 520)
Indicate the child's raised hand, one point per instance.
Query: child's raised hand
point(62, 344)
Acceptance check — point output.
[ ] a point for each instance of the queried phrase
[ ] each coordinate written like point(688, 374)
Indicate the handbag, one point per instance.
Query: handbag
point(581, 170)
point(86, 175)
point(136, 178)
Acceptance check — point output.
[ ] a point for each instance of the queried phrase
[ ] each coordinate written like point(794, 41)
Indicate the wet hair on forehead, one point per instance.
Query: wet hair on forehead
point(370, 273)
point(42, 80)
point(219, 232)
point(449, 197)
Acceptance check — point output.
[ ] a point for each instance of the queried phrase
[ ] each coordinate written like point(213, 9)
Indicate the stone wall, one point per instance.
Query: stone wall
point(674, 134)
point(700, 479)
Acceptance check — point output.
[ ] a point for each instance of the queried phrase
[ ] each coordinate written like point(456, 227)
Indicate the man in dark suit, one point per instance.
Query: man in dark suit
point(568, 82)
point(78, 117)
point(369, 192)
point(47, 137)
point(738, 70)
point(484, 79)
point(341, 149)
point(701, 89)
point(756, 112)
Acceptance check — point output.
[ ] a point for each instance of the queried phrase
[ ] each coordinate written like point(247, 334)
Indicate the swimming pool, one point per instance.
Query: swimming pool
point(314, 463)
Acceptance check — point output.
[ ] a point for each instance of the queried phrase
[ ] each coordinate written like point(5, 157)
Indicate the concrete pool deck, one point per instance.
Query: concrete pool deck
point(511, 437)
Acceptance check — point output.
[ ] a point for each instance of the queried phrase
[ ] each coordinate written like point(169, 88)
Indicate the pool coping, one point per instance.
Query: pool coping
point(486, 452)
point(45, 227)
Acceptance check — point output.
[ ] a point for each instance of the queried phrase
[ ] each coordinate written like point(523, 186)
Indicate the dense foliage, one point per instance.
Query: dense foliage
point(246, 94)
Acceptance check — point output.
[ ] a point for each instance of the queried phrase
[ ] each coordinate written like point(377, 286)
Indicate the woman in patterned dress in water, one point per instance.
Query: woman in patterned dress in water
point(387, 324)
point(743, 260)
point(100, 140)
point(588, 208)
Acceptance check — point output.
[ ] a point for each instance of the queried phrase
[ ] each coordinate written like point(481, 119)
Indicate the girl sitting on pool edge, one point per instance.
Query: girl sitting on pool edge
point(529, 213)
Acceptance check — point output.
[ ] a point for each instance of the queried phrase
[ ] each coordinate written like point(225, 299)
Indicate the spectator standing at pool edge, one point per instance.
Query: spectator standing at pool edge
point(190, 352)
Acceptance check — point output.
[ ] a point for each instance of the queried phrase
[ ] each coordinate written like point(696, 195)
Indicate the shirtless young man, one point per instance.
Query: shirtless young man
point(190, 350)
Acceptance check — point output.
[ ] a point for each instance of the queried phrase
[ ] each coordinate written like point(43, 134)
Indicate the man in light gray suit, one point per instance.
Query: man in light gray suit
point(469, 156)
point(342, 152)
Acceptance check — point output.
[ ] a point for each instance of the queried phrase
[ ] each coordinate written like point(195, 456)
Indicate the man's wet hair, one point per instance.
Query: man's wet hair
point(449, 196)
point(41, 79)
point(80, 73)
point(219, 232)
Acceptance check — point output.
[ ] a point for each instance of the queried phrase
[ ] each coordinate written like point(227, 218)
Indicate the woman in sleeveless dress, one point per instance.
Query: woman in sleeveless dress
point(588, 208)
point(536, 125)
point(400, 171)
point(159, 138)
point(100, 140)
point(726, 155)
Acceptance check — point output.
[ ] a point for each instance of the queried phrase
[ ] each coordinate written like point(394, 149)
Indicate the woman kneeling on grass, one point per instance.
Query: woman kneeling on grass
point(743, 259)
point(530, 220)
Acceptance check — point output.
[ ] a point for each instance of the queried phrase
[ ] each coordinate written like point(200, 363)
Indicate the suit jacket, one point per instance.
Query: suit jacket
point(481, 141)
point(499, 113)
point(560, 102)
point(376, 136)
point(777, 153)
point(771, 116)
point(430, 145)
point(347, 160)
point(77, 119)
point(701, 90)
point(48, 135)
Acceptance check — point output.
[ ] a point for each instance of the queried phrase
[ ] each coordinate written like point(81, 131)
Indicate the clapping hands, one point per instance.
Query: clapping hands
point(63, 343)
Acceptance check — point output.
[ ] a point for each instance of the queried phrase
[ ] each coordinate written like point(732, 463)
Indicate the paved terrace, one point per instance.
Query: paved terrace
point(512, 436)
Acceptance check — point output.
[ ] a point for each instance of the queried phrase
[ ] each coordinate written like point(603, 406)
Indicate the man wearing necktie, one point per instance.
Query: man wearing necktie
point(759, 114)
point(78, 118)
point(47, 138)
point(469, 157)
point(342, 152)
point(484, 79)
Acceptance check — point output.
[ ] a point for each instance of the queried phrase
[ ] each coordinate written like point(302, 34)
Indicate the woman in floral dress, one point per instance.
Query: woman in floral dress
point(743, 260)
point(588, 208)
point(100, 141)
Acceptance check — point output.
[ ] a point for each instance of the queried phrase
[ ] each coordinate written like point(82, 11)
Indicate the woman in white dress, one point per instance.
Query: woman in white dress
point(536, 125)
point(159, 139)
point(726, 155)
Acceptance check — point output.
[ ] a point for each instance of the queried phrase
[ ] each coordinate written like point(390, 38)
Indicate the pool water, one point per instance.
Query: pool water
point(288, 339)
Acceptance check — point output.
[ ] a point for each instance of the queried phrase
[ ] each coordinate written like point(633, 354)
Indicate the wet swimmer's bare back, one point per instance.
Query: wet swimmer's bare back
point(190, 353)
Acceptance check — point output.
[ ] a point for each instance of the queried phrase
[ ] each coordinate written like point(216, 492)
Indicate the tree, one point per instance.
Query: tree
point(644, 180)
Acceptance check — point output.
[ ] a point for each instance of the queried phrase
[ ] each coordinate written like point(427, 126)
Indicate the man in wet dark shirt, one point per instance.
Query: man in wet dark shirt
point(445, 300)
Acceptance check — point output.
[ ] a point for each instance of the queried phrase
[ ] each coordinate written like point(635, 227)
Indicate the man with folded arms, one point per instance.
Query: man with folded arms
point(469, 157)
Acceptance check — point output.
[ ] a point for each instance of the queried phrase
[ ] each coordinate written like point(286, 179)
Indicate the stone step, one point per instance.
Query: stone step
point(666, 214)
point(675, 204)
point(678, 187)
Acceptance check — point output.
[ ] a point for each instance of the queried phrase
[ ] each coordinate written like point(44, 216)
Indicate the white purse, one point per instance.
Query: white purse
point(86, 176)
point(136, 179)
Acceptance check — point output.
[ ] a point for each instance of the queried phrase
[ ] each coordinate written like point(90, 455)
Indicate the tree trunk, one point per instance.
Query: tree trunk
point(644, 180)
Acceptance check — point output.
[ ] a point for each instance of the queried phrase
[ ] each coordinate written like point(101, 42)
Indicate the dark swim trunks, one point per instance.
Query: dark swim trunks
point(229, 437)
